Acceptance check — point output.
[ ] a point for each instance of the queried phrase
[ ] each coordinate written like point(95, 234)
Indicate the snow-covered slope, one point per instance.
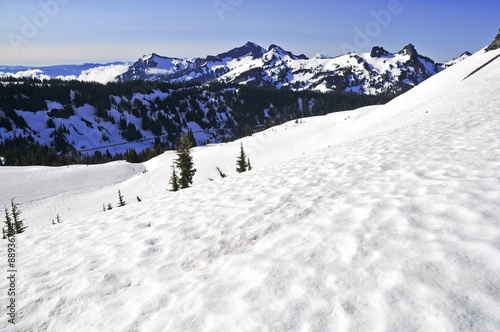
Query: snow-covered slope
point(90, 72)
point(452, 62)
point(373, 73)
point(379, 219)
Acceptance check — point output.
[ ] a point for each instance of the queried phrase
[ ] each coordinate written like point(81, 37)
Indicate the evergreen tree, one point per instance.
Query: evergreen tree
point(184, 162)
point(174, 180)
point(110, 206)
point(241, 161)
point(249, 166)
point(103, 207)
point(58, 218)
point(139, 199)
point(121, 202)
point(9, 228)
point(16, 215)
point(192, 140)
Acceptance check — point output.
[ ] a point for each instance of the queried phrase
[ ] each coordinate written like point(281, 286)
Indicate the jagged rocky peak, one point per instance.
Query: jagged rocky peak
point(379, 52)
point(249, 48)
point(280, 50)
point(276, 48)
point(409, 50)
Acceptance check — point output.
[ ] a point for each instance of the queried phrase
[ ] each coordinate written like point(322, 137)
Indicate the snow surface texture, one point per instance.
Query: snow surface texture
point(379, 219)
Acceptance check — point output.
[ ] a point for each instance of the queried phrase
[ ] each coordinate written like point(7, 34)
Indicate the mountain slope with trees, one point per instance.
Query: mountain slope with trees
point(53, 122)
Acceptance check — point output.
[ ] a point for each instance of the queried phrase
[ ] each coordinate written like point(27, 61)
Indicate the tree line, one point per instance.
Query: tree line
point(223, 111)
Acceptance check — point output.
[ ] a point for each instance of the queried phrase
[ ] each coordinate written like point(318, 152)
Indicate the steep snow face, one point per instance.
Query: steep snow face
point(382, 218)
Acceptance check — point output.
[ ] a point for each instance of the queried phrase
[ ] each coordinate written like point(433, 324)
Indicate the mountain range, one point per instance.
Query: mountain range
point(378, 71)
point(375, 72)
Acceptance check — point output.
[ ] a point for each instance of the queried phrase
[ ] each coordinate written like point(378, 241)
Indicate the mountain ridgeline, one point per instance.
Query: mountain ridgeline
point(376, 72)
point(54, 122)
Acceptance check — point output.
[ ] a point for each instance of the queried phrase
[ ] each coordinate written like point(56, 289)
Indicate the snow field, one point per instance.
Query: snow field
point(385, 218)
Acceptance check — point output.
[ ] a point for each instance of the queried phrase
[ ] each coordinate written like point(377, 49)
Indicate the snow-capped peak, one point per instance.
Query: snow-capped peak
point(322, 56)
point(277, 49)
point(409, 50)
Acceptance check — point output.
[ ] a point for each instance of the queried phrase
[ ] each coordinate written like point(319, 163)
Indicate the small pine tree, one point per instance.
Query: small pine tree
point(249, 166)
point(184, 162)
point(139, 199)
point(53, 222)
point(222, 174)
point(110, 207)
point(58, 218)
point(9, 228)
point(241, 161)
point(103, 207)
point(174, 180)
point(191, 138)
point(16, 215)
point(121, 202)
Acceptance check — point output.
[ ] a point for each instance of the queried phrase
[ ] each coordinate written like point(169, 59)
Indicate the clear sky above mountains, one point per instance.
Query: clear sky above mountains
point(49, 32)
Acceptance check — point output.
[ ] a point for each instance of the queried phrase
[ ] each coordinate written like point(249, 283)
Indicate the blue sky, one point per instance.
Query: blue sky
point(44, 32)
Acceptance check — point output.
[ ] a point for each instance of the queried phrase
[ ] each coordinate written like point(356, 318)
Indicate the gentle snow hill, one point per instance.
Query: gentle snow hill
point(379, 219)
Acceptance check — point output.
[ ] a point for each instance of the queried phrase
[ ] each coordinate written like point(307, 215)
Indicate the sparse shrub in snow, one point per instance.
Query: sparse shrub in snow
point(58, 219)
point(8, 229)
point(121, 201)
point(221, 173)
point(241, 162)
point(174, 180)
point(16, 215)
point(14, 224)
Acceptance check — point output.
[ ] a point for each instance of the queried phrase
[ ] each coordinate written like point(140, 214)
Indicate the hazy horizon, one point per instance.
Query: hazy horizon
point(51, 32)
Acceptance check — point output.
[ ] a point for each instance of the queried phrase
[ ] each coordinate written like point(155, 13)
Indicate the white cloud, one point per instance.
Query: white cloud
point(103, 74)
